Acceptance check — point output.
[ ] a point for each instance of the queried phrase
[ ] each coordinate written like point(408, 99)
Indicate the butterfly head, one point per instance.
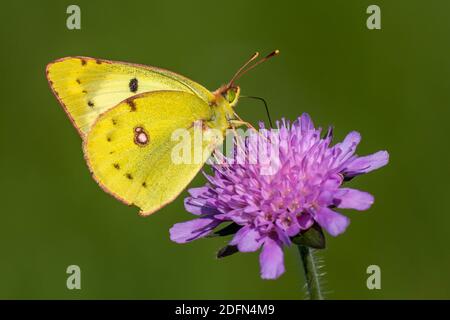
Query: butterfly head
point(231, 95)
point(231, 92)
point(227, 96)
point(225, 99)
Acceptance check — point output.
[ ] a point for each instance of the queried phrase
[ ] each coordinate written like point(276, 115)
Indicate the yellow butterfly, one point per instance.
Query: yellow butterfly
point(126, 113)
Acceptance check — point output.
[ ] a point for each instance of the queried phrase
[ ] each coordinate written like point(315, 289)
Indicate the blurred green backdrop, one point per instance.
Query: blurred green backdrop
point(392, 85)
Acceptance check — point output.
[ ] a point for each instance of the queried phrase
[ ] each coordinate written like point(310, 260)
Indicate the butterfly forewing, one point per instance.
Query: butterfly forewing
point(87, 87)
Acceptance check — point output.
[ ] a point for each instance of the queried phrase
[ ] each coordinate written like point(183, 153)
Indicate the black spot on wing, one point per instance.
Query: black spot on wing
point(90, 104)
point(133, 85)
point(129, 176)
point(117, 166)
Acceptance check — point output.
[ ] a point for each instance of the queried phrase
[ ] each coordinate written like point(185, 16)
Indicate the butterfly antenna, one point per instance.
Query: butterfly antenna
point(242, 70)
point(237, 74)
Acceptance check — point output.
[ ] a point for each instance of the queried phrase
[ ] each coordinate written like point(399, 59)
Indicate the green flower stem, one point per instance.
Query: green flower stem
point(312, 276)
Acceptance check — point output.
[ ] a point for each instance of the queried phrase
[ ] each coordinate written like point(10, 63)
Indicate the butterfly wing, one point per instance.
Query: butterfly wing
point(130, 148)
point(87, 87)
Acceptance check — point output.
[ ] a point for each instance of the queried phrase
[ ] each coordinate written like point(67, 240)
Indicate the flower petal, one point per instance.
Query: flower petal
point(333, 182)
point(331, 221)
point(293, 229)
point(306, 123)
point(191, 230)
point(247, 239)
point(325, 198)
point(271, 259)
point(288, 224)
point(348, 146)
point(196, 192)
point(235, 215)
point(305, 221)
point(347, 198)
point(198, 206)
point(366, 164)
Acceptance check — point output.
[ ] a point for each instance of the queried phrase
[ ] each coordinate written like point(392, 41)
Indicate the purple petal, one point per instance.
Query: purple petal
point(247, 239)
point(283, 237)
point(196, 192)
point(198, 206)
point(325, 198)
point(333, 182)
point(293, 229)
point(236, 215)
point(271, 259)
point(350, 142)
point(348, 146)
point(306, 123)
point(305, 221)
point(331, 221)
point(346, 198)
point(288, 225)
point(191, 230)
point(366, 164)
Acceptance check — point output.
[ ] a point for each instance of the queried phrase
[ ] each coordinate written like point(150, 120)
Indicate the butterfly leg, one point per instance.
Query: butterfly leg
point(249, 125)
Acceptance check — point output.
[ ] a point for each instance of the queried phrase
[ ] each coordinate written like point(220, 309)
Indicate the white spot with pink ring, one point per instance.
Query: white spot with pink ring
point(141, 137)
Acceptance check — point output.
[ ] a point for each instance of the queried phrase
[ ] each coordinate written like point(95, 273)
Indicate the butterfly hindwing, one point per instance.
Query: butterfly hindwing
point(129, 148)
point(87, 87)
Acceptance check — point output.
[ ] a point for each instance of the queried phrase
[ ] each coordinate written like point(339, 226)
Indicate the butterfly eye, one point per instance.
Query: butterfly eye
point(230, 95)
point(141, 137)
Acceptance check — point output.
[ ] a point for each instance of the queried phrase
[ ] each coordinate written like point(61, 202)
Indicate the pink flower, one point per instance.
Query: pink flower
point(268, 210)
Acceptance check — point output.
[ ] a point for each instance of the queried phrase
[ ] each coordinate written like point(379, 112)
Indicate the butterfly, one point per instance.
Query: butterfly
point(126, 113)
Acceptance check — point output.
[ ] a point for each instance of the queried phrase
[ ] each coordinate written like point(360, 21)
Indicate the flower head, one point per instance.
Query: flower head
point(271, 209)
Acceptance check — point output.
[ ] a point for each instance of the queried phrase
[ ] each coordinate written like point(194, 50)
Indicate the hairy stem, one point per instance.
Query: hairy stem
point(312, 276)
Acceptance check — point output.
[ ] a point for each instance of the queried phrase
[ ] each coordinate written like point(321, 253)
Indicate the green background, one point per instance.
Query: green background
point(392, 85)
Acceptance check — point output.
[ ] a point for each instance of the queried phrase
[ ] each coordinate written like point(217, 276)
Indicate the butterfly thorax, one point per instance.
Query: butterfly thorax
point(222, 113)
